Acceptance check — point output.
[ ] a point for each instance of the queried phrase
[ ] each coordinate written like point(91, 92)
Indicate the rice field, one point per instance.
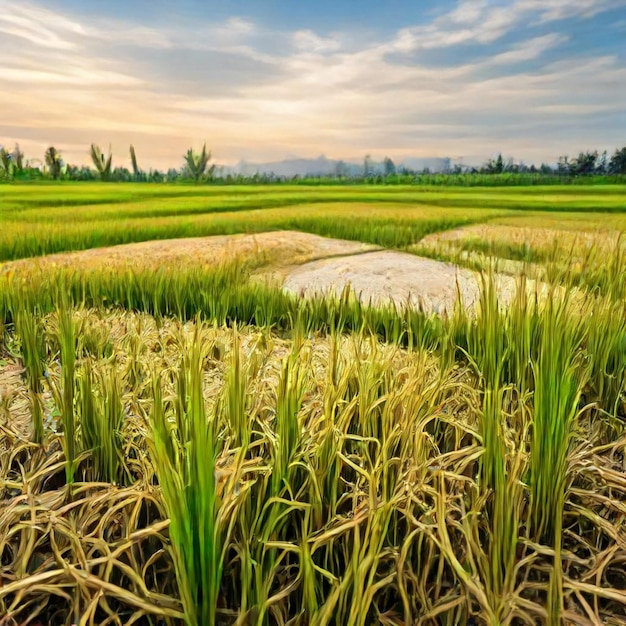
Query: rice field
point(187, 443)
point(43, 219)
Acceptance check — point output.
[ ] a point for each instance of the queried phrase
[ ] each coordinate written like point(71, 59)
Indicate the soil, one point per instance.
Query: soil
point(384, 276)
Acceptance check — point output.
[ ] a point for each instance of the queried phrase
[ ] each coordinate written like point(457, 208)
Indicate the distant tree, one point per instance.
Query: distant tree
point(493, 166)
point(17, 156)
point(584, 164)
point(341, 169)
point(602, 164)
point(133, 159)
point(617, 164)
point(544, 168)
point(54, 162)
point(367, 166)
point(121, 175)
point(563, 166)
point(196, 164)
point(389, 167)
point(155, 176)
point(512, 166)
point(82, 173)
point(6, 163)
point(102, 163)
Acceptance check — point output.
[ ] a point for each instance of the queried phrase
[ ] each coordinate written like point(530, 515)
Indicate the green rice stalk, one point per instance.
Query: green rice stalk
point(186, 470)
point(67, 342)
point(109, 450)
point(89, 410)
point(234, 398)
point(33, 356)
point(559, 380)
point(289, 396)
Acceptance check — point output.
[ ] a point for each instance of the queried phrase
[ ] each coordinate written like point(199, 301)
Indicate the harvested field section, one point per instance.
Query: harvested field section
point(273, 248)
point(517, 242)
point(353, 455)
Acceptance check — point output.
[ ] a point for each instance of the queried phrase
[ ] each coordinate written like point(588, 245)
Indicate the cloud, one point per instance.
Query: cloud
point(484, 22)
point(230, 35)
point(37, 26)
point(566, 9)
point(307, 40)
point(73, 76)
point(529, 49)
point(259, 93)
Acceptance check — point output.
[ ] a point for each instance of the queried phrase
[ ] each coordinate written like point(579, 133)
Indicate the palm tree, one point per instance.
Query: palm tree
point(54, 162)
point(133, 159)
point(196, 163)
point(102, 163)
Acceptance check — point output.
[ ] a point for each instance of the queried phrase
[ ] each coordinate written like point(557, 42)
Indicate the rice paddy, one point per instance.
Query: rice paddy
point(43, 219)
point(184, 442)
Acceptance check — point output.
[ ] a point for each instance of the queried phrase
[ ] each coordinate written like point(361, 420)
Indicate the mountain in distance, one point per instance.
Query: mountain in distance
point(323, 166)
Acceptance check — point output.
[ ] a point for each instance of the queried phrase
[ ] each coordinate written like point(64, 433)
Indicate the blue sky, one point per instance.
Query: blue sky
point(269, 79)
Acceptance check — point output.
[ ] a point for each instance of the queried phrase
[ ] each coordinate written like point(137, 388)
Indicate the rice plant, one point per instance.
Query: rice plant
point(186, 467)
point(90, 412)
point(235, 398)
point(66, 337)
point(559, 380)
point(101, 414)
point(287, 425)
point(33, 354)
point(503, 487)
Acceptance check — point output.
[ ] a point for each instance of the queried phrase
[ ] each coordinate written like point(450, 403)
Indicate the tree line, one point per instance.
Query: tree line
point(14, 166)
point(197, 167)
point(585, 164)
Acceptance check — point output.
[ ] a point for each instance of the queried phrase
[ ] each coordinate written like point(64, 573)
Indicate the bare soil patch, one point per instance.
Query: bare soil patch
point(384, 276)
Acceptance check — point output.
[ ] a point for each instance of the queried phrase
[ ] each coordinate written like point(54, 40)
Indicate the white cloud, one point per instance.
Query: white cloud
point(72, 76)
point(484, 22)
point(37, 26)
point(530, 49)
point(240, 26)
point(563, 9)
point(321, 95)
point(232, 34)
point(307, 40)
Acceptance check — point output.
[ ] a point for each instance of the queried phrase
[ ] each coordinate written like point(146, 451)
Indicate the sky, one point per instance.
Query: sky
point(264, 80)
